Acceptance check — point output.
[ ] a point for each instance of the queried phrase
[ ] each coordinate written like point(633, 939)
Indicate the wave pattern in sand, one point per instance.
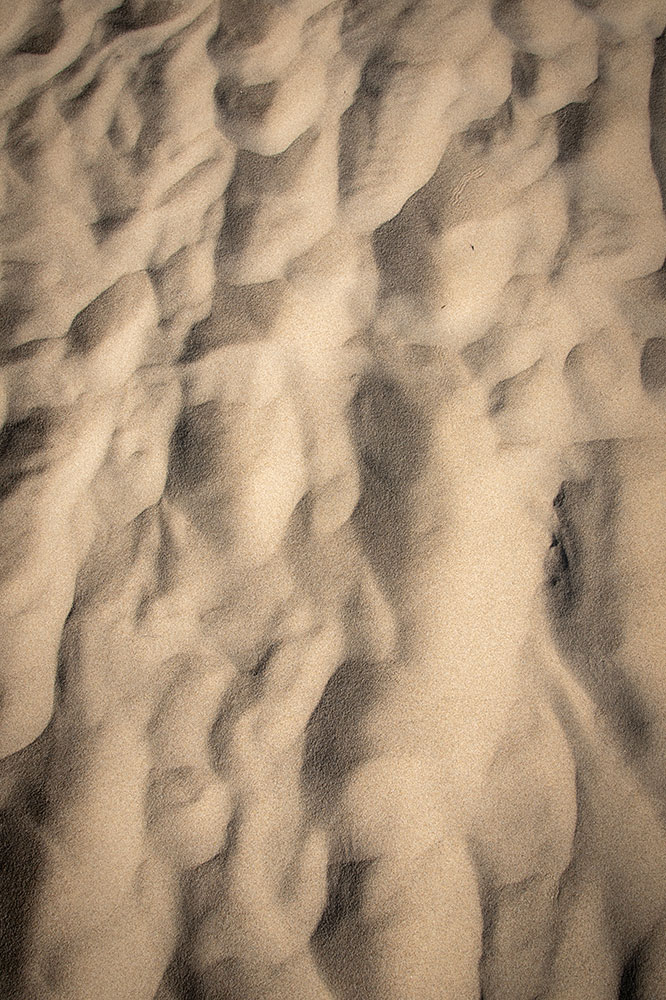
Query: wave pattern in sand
point(333, 465)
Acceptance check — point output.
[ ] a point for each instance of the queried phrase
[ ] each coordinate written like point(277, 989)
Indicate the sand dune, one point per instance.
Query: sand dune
point(332, 473)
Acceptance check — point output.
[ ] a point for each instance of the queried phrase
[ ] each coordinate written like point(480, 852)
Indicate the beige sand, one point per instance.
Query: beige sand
point(333, 389)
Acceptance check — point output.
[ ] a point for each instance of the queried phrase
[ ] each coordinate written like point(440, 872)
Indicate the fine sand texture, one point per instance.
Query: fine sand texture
point(332, 500)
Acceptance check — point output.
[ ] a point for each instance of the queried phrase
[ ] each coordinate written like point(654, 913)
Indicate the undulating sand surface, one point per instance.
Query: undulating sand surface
point(333, 500)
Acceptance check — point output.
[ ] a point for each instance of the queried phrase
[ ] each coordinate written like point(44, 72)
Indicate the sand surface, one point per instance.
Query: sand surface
point(332, 500)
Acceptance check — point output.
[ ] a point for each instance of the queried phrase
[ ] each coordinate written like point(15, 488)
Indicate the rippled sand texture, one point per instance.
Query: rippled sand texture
point(333, 478)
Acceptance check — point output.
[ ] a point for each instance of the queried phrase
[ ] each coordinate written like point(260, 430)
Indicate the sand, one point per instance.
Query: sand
point(333, 465)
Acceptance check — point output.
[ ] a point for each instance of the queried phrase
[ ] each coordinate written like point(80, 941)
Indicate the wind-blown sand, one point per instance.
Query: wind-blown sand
point(332, 520)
